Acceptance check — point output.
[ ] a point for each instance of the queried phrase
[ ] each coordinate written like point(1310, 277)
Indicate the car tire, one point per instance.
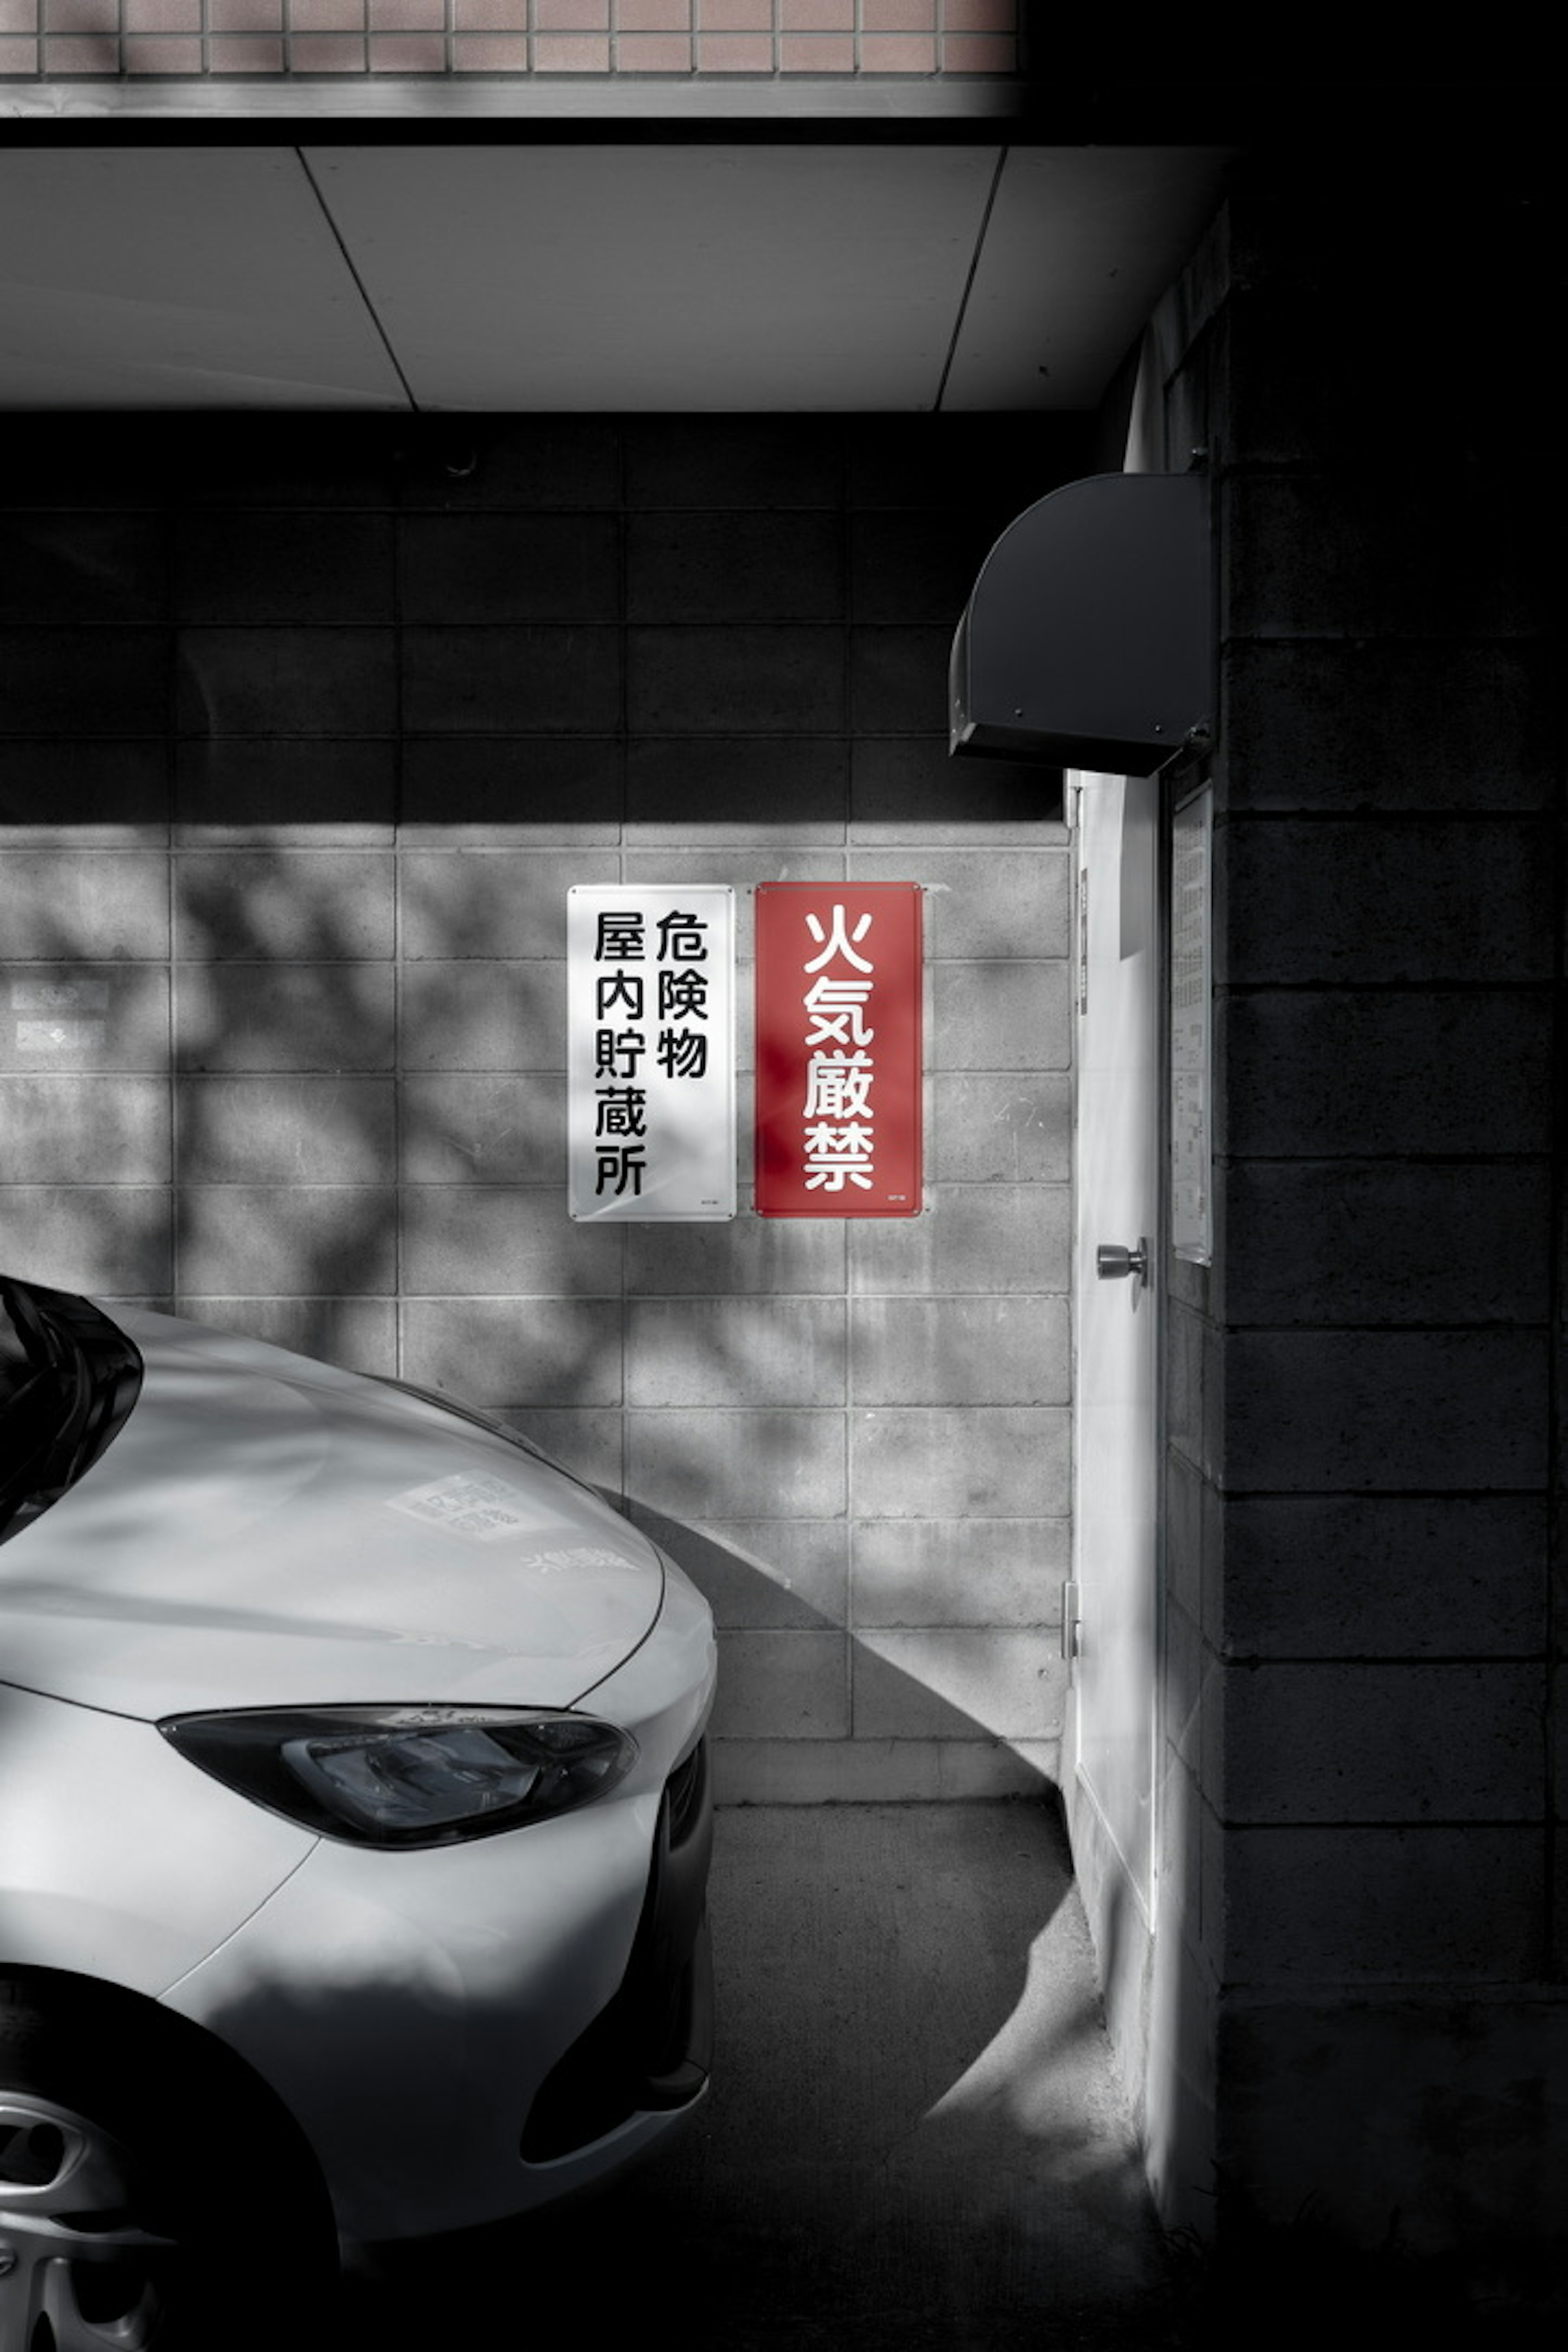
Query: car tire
point(153, 2197)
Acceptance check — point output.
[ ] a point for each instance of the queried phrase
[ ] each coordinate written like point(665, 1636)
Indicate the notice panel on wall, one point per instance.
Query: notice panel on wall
point(838, 1049)
point(1192, 1085)
point(650, 1052)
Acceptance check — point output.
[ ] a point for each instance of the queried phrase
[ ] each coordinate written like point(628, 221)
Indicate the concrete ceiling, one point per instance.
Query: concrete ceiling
point(681, 276)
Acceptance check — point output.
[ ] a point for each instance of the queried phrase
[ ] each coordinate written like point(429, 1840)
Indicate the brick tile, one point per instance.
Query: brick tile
point(571, 53)
point(285, 1016)
point(914, 567)
point(97, 1238)
point(762, 1572)
point(749, 463)
point(993, 1461)
point(237, 15)
point(879, 1771)
point(795, 790)
point(979, 904)
point(1382, 1905)
point(85, 569)
point(285, 681)
point(84, 1017)
point(817, 53)
point(285, 1130)
point(503, 1351)
point(703, 681)
point(297, 1240)
point(1013, 1129)
point(910, 790)
point(84, 795)
point(98, 905)
point(69, 1130)
point(735, 1351)
point(733, 567)
point(484, 1016)
point(775, 1256)
point(494, 1128)
point(508, 567)
point(300, 568)
point(582, 1439)
point(817, 15)
point(653, 53)
point(407, 15)
point(653, 15)
point(898, 680)
point(1000, 1016)
point(972, 1238)
point(262, 792)
point(256, 905)
point(559, 461)
point(897, 53)
point(957, 1684)
point(245, 53)
point(978, 54)
point(360, 1334)
point(783, 1685)
point(407, 53)
point(737, 15)
point(959, 1351)
point(979, 16)
point(972, 1572)
point(697, 1464)
point(506, 681)
point(326, 53)
point(464, 1240)
point(492, 903)
point(93, 54)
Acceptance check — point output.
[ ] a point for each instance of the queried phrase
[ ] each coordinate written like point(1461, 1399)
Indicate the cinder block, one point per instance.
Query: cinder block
point(549, 462)
point(522, 1351)
point(1336, 1241)
point(1011, 1130)
point(1000, 1016)
point(1352, 1742)
point(908, 789)
point(792, 790)
point(762, 1572)
point(82, 569)
point(735, 567)
point(496, 793)
point(291, 566)
point(978, 905)
point(879, 1771)
point(957, 1684)
point(493, 902)
point(285, 1016)
point(709, 1465)
point(1394, 1576)
point(961, 1352)
point(484, 1016)
point(898, 680)
point(84, 1016)
point(781, 679)
point(84, 795)
point(58, 682)
point(255, 905)
point(727, 461)
point(992, 1237)
point(286, 681)
point(510, 680)
point(307, 461)
point(461, 1240)
point(1193, 1699)
point(108, 1239)
point(1310, 1074)
point(489, 1129)
point(1362, 1905)
point(778, 1684)
point(735, 1351)
point(991, 1460)
point(586, 1442)
point(285, 1130)
point(976, 1572)
point(1376, 725)
point(508, 567)
point(1369, 553)
point(92, 906)
point(1378, 1411)
point(279, 792)
point(1438, 901)
point(360, 1334)
point(778, 1256)
point(69, 1130)
point(989, 466)
point(915, 567)
point(293, 1240)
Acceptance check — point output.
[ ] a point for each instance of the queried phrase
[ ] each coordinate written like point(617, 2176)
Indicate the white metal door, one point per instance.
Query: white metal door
point(1116, 1441)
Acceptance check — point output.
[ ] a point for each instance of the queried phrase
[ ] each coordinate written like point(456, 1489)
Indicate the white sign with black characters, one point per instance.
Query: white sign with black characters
point(650, 1053)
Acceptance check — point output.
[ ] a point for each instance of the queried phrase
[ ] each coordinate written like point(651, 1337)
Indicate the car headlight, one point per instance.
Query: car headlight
point(408, 1776)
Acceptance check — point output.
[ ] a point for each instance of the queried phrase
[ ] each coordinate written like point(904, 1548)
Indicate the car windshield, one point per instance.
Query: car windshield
point(68, 1379)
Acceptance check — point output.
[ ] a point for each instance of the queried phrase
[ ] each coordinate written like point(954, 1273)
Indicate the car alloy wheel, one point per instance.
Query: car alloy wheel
point(77, 2270)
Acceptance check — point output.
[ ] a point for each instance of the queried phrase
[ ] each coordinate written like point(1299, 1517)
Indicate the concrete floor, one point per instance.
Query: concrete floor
point(914, 2139)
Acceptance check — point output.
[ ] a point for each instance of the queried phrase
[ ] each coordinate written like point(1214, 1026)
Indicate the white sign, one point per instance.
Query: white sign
point(650, 1052)
point(1191, 1094)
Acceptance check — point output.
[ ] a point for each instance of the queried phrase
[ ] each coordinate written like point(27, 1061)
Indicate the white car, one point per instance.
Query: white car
point(354, 1827)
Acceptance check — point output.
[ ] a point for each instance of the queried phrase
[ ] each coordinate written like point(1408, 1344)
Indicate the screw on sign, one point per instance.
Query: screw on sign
point(838, 1049)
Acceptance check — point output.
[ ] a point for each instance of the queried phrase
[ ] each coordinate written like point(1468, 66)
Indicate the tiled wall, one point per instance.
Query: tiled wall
point(60, 38)
point(304, 732)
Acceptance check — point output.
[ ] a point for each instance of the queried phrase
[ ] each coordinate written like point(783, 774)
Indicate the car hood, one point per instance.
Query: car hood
point(268, 1531)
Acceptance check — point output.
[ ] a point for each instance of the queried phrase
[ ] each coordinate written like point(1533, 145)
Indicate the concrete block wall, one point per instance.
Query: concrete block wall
point(305, 730)
point(1365, 1462)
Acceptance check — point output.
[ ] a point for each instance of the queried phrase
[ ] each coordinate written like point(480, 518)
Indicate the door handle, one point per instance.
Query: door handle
point(1112, 1260)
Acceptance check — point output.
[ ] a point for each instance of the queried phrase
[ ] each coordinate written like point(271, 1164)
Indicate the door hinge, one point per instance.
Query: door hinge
point(1072, 1625)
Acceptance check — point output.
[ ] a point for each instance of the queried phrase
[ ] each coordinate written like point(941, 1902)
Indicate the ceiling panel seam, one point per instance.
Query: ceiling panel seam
point(371, 311)
point(969, 281)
